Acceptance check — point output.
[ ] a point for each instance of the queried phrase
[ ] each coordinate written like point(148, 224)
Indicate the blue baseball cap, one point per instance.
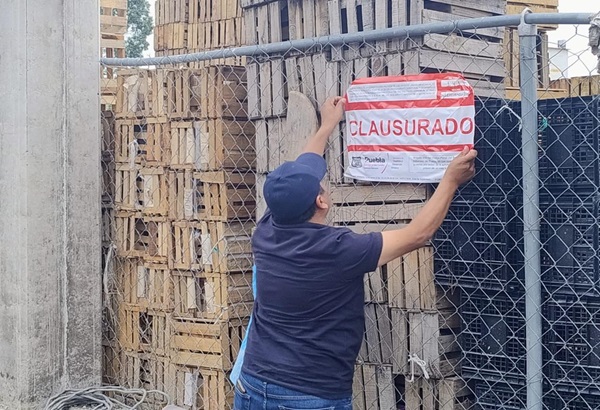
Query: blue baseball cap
point(293, 187)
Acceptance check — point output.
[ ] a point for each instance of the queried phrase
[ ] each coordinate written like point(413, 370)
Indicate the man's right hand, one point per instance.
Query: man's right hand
point(462, 168)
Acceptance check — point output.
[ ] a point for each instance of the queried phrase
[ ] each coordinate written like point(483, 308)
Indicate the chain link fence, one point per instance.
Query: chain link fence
point(186, 150)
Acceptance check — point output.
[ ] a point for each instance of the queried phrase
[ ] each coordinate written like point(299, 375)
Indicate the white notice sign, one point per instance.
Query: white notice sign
point(408, 128)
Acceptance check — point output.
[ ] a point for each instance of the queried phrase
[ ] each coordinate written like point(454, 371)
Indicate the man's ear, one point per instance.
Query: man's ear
point(321, 202)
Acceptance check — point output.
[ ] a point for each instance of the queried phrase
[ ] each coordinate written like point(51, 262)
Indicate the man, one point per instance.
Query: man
point(308, 318)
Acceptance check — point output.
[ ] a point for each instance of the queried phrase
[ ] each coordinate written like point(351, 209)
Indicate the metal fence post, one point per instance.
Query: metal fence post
point(531, 218)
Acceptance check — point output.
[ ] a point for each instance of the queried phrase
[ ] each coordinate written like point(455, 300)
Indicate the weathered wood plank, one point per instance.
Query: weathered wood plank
point(462, 45)
point(357, 194)
point(371, 213)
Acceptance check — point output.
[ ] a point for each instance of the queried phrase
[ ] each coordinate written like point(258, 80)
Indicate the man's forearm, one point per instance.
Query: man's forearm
point(318, 142)
point(435, 210)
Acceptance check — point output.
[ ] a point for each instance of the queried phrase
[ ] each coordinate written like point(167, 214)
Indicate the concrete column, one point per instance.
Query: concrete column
point(50, 273)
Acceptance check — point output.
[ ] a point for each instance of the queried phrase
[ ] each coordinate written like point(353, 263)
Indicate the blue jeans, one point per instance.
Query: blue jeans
point(254, 394)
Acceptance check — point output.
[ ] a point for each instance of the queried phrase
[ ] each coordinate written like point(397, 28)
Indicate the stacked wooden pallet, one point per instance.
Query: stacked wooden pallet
point(187, 26)
point(476, 53)
point(113, 26)
point(407, 314)
point(578, 86)
point(183, 214)
point(512, 53)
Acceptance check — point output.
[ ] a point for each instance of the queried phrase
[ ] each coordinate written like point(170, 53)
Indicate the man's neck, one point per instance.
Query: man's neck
point(318, 219)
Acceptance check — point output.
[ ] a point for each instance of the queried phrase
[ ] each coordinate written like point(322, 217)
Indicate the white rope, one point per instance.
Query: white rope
point(510, 110)
point(95, 396)
point(413, 359)
point(133, 150)
point(107, 263)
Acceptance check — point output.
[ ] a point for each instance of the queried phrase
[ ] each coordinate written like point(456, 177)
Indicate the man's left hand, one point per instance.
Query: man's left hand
point(332, 112)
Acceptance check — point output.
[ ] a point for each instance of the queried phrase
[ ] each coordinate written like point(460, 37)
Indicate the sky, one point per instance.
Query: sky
point(581, 60)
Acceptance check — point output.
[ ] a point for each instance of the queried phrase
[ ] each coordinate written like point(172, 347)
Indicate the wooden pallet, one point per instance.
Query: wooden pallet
point(111, 364)
point(172, 36)
point(227, 93)
point(211, 246)
point(113, 17)
point(269, 138)
point(377, 344)
point(108, 226)
point(430, 336)
point(127, 187)
point(207, 345)
point(173, 11)
point(373, 387)
point(186, 246)
point(145, 141)
point(230, 145)
point(108, 180)
point(536, 6)
point(226, 196)
point(352, 16)
point(107, 120)
point(512, 60)
point(230, 246)
point(270, 82)
point(445, 394)
point(141, 188)
point(145, 284)
point(371, 208)
point(193, 388)
point(143, 330)
point(185, 199)
point(134, 329)
point(576, 86)
point(208, 145)
point(212, 92)
point(411, 284)
point(514, 93)
point(208, 10)
point(261, 205)
point(154, 193)
point(133, 94)
point(142, 236)
point(144, 371)
point(212, 296)
point(211, 35)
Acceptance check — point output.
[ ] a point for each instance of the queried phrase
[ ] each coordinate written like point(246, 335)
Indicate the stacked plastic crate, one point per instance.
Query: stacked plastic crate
point(480, 249)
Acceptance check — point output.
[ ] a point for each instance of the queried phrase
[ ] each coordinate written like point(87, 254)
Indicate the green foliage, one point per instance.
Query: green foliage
point(140, 25)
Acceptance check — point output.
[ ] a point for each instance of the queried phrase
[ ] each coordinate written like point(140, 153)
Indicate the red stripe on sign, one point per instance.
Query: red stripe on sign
point(390, 105)
point(408, 148)
point(408, 78)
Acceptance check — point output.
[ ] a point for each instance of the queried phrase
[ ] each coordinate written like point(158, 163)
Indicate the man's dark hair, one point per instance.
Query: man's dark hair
point(305, 216)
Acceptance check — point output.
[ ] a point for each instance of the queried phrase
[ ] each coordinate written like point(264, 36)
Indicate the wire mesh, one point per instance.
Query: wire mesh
point(186, 150)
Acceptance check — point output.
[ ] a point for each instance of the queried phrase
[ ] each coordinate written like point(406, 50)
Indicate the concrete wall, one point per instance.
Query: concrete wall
point(50, 273)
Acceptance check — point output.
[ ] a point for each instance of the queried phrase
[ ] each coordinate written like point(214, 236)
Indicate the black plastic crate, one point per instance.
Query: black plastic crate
point(492, 395)
point(494, 367)
point(558, 397)
point(479, 275)
point(480, 245)
point(585, 110)
point(567, 111)
point(486, 113)
point(570, 237)
point(581, 375)
point(572, 340)
point(569, 158)
point(493, 333)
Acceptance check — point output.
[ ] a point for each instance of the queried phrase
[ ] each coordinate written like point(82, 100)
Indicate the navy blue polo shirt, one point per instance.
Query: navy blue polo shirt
point(308, 318)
